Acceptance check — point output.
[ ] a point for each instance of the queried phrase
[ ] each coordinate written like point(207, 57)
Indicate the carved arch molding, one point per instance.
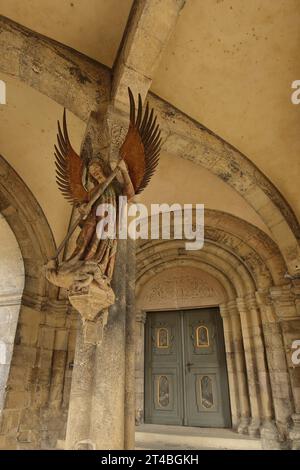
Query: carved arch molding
point(30, 227)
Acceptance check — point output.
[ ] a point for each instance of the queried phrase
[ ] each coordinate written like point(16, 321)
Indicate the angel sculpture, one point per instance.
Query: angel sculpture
point(87, 273)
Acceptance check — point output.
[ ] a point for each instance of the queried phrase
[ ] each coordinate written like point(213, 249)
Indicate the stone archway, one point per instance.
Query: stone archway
point(250, 269)
point(43, 330)
point(26, 219)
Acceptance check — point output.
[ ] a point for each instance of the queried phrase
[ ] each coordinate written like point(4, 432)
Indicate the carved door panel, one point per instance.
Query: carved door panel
point(185, 369)
point(207, 399)
point(164, 369)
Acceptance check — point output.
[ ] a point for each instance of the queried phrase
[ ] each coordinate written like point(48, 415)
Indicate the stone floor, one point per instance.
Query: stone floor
point(160, 437)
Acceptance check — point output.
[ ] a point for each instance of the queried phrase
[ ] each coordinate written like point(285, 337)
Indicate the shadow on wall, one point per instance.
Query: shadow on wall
point(12, 278)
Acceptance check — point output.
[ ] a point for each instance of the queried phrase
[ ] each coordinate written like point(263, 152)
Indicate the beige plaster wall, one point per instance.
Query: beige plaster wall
point(93, 27)
point(28, 127)
point(181, 181)
point(230, 65)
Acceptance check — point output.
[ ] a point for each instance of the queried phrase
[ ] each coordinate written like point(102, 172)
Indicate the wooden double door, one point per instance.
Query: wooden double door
point(185, 369)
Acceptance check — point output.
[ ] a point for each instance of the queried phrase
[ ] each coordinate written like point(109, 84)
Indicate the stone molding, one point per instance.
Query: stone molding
point(10, 299)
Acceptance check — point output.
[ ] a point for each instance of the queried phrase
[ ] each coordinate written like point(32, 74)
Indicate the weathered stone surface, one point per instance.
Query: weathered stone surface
point(244, 269)
point(73, 80)
point(145, 39)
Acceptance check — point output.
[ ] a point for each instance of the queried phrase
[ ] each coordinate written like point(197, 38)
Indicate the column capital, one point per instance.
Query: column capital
point(296, 286)
point(263, 297)
point(241, 305)
point(266, 306)
point(232, 308)
point(224, 310)
point(282, 295)
point(250, 300)
point(141, 316)
point(284, 301)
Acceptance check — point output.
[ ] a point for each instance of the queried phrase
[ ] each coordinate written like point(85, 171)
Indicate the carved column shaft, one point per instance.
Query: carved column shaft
point(250, 358)
point(240, 367)
point(286, 304)
point(78, 425)
point(260, 359)
point(130, 348)
point(283, 300)
point(277, 365)
point(140, 366)
point(231, 365)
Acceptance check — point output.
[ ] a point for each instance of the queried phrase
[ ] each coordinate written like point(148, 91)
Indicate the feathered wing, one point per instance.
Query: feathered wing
point(141, 146)
point(69, 168)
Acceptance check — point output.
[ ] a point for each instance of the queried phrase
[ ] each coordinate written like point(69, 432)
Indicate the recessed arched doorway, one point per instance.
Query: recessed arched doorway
point(181, 370)
point(185, 369)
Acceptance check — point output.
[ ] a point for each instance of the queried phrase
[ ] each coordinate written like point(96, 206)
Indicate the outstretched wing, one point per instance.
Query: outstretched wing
point(142, 144)
point(69, 167)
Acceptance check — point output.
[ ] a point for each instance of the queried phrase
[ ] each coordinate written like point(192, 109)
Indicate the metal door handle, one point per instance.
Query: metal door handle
point(188, 365)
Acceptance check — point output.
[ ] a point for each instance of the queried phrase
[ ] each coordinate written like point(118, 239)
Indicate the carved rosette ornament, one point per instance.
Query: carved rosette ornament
point(86, 184)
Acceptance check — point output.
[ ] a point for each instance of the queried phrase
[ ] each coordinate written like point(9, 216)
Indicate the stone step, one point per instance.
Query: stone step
point(60, 444)
point(160, 437)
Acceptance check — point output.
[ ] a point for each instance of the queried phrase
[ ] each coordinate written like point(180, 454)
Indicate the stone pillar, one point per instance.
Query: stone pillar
point(286, 303)
point(78, 425)
point(107, 420)
point(240, 368)
point(231, 366)
point(278, 371)
point(250, 330)
point(140, 366)
point(129, 431)
point(264, 387)
point(96, 413)
point(295, 432)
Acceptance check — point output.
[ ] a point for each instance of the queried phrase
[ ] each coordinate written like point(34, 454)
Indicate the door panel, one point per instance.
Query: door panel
point(206, 389)
point(186, 378)
point(163, 378)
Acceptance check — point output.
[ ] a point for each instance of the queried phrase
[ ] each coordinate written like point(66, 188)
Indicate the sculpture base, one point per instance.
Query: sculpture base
point(91, 301)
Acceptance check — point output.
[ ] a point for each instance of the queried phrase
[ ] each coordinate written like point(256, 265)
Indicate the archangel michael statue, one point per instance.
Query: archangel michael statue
point(87, 273)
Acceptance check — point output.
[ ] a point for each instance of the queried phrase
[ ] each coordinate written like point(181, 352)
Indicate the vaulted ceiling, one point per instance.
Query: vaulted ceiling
point(229, 64)
point(93, 27)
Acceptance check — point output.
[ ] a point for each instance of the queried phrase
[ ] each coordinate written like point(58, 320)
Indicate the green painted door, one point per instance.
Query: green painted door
point(185, 369)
